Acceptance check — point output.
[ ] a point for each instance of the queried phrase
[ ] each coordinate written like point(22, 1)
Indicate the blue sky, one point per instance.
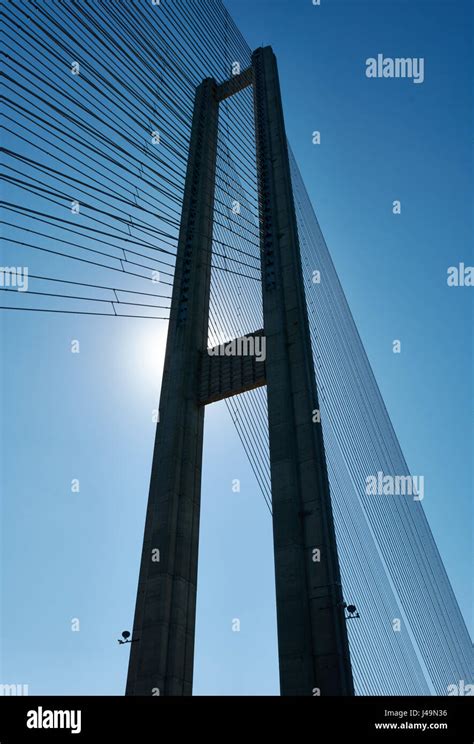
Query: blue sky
point(89, 415)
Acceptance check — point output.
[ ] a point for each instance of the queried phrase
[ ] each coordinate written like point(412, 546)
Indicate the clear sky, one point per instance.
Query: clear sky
point(89, 416)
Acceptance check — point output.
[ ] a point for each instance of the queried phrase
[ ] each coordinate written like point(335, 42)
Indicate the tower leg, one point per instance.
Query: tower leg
point(161, 660)
point(312, 636)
